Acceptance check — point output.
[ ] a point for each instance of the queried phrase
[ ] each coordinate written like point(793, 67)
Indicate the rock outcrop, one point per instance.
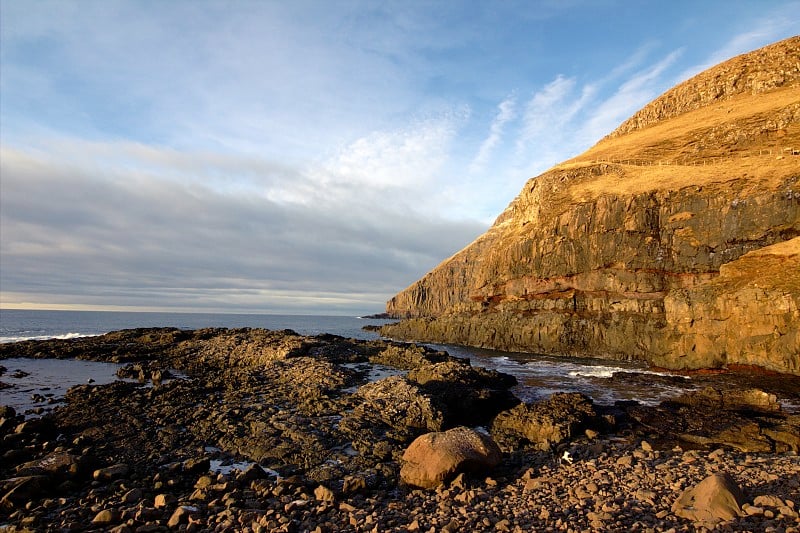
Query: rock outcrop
point(675, 240)
point(544, 424)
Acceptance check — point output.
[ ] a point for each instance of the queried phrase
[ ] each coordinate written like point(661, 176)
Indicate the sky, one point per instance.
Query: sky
point(312, 156)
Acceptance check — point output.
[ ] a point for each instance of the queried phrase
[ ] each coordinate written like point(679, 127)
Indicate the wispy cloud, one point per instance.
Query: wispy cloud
point(505, 113)
point(628, 98)
point(773, 24)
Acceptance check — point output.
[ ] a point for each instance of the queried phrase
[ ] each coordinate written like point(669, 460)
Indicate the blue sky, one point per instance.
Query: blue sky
point(307, 156)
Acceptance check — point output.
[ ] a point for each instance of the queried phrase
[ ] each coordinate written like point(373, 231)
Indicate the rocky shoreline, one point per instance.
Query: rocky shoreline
point(273, 431)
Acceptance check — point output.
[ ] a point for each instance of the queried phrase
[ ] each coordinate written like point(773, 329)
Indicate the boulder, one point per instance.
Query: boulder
point(544, 424)
point(54, 465)
point(714, 499)
point(16, 492)
point(434, 458)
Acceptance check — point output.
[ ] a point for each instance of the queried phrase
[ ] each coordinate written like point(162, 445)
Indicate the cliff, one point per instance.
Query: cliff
point(675, 240)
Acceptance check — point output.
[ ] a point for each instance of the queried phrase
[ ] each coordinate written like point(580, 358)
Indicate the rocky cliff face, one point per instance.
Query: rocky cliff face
point(675, 240)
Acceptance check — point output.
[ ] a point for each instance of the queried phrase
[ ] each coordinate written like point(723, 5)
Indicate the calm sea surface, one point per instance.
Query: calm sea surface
point(17, 325)
point(539, 376)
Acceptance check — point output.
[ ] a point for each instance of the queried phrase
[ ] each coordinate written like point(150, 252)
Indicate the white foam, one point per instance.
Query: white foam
point(64, 336)
point(595, 372)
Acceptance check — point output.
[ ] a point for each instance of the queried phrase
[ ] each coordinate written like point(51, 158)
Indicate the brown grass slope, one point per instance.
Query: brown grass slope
point(618, 252)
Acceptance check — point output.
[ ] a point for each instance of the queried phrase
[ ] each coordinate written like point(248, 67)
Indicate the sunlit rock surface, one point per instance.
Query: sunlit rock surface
point(674, 240)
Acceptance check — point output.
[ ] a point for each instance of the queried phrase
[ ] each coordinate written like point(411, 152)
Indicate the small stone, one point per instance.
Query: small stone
point(354, 484)
point(198, 495)
point(181, 515)
point(196, 465)
point(716, 454)
point(111, 472)
point(768, 501)
point(132, 496)
point(646, 446)
point(324, 494)
point(503, 525)
point(163, 500)
point(459, 482)
point(203, 482)
point(106, 516)
point(591, 434)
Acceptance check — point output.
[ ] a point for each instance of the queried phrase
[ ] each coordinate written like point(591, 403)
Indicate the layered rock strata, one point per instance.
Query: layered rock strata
point(674, 240)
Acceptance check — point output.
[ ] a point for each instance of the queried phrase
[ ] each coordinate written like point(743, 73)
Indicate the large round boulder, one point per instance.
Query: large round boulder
point(434, 458)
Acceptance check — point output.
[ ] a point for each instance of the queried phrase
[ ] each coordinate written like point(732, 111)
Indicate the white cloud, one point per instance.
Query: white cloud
point(396, 159)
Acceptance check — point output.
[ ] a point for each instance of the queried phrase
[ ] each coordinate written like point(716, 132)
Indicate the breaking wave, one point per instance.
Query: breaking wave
point(20, 338)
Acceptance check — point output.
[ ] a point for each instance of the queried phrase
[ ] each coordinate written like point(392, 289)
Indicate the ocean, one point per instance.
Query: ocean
point(539, 375)
point(19, 325)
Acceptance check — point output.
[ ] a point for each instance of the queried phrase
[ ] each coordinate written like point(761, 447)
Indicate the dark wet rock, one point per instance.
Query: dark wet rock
point(748, 420)
point(196, 465)
point(17, 491)
point(6, 411)
point(434, 458)
point(56, 465)
point(39, 426)
point(546, 423)
point(470, 395)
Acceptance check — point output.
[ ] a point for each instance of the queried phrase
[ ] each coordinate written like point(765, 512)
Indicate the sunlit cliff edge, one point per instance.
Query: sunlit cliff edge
point(675, 240)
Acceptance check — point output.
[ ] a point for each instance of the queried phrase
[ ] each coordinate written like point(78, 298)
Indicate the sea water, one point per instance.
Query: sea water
point(18, 325)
